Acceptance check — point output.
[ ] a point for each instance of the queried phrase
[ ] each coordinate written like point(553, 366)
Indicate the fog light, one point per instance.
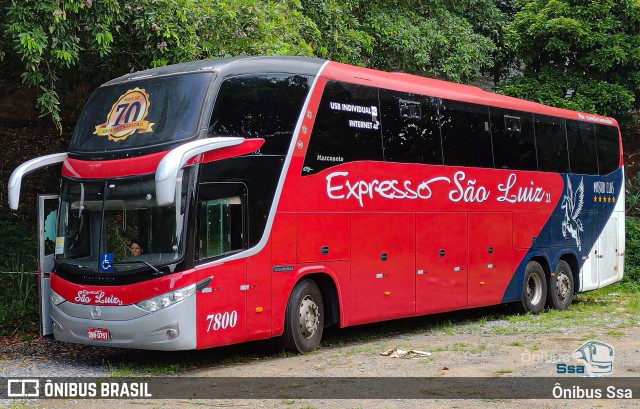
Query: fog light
point(172, 333)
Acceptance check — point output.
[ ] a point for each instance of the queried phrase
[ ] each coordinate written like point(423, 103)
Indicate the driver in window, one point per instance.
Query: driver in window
point(136, 248)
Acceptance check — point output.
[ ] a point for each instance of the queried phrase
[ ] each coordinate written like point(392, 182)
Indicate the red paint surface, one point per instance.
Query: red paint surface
point(442, 286)
point(127, 294)
point(225, 296)
point(382, 289)
point(113, 168)
point(360, 210)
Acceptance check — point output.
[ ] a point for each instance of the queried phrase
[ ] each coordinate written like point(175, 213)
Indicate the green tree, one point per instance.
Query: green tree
point(340, 33)
point(65, 48)
point(428, 38)
point(582, 55)
point(55, 45)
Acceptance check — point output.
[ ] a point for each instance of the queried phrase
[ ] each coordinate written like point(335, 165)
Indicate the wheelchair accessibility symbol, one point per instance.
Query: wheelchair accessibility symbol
point(106, 261)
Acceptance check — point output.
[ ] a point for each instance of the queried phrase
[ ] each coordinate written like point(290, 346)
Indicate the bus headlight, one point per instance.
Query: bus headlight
point(56, 299)
point(162, 301)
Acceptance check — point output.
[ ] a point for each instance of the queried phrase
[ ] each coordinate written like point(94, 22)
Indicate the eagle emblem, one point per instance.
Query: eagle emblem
point(572, 204)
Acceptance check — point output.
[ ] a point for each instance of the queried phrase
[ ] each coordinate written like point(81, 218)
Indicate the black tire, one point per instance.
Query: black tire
point(534, 289)
point(560, 293)
point(304, 318)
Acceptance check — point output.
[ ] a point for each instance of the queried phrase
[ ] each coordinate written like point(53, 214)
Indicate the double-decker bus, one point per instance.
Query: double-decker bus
point(215, 202)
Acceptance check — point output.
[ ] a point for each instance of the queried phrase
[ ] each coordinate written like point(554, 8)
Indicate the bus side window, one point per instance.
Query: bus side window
point(221, 221)
point(466, 138)
point(260, 106)
point(608, 148)
point(410, 128)
point(514, 145)
point(551, 144)
point(347, 127)
point(581, 139)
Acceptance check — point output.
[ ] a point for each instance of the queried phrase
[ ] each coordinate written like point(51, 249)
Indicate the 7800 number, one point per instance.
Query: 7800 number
point(222, 320)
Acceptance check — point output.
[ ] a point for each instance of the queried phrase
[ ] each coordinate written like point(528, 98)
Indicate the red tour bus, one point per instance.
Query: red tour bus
point(221, 201)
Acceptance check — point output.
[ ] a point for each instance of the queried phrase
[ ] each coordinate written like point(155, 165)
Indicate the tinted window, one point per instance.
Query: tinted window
point(347, 127)
point(220, 219)
point(466, 139)
point(608, 150)
point(551, 144)
point(581, 139)
point(141, 113)
point(410, 128)
point(514, 145)
point(264, 106)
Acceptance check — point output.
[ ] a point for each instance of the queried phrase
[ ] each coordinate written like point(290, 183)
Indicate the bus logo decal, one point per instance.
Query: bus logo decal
point(340, 187)
point(388, 189)
point(96, 312)
point(127, 116)
point(572, 204)
point(99, 297)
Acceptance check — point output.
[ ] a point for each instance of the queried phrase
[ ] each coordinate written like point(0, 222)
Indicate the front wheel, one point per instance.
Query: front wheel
point(534, 288)
point(304, 318)
point(560, 292)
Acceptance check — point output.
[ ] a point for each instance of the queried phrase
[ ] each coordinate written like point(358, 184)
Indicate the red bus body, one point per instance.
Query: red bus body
point(380, 239)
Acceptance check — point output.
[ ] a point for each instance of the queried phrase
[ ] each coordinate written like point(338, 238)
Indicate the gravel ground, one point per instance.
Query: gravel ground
point(462, 349)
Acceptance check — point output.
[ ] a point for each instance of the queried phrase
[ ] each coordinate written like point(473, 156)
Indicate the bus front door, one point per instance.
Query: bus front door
point(47, 222)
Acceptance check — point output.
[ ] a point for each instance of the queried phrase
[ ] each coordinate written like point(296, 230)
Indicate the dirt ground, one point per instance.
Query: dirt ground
point(465, 349)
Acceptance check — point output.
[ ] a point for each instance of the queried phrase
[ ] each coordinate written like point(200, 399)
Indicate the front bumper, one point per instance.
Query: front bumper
point(169, 329)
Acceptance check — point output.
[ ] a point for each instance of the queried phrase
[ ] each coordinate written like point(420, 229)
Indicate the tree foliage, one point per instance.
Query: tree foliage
point(582, 55)
point(575, 54)
point(449, 40)
point(56, 46)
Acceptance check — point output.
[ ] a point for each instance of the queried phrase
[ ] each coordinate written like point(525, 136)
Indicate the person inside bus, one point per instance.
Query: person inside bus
point(136, 248)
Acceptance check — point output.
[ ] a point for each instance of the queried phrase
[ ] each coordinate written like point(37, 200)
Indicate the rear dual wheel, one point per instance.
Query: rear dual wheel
point(560, 292)
point(534, 289)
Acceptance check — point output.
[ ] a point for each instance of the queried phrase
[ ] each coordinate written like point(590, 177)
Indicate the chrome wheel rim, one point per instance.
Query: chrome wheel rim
point(534, 289)
point(563, 286)
point(309, 317)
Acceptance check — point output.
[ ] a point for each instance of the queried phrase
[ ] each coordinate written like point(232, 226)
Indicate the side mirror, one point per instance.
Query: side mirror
point(172, 162)
point(15, 181)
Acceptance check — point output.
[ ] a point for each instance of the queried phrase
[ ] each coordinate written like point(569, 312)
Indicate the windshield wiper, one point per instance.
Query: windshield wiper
point(156, 271)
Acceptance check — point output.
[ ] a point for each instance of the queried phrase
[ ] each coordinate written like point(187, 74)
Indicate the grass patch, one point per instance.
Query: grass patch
point(18, 404)
point(588, 337)
point(615, 304)
point(515, 344)
point(615, 332)
point(132, 369)
point(368, 348)
point(19, 299)
point(504, 370)
point(481, 347)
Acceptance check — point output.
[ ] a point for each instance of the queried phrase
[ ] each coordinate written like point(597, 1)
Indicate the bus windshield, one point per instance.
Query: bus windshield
point(117, 225)
point(142, 113)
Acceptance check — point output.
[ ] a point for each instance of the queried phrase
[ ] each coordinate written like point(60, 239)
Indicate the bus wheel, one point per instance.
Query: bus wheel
point(560, 292)
point(534, 289)
point(304, 318)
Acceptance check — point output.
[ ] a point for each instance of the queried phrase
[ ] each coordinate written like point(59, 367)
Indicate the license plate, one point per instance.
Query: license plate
point(99, 334)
